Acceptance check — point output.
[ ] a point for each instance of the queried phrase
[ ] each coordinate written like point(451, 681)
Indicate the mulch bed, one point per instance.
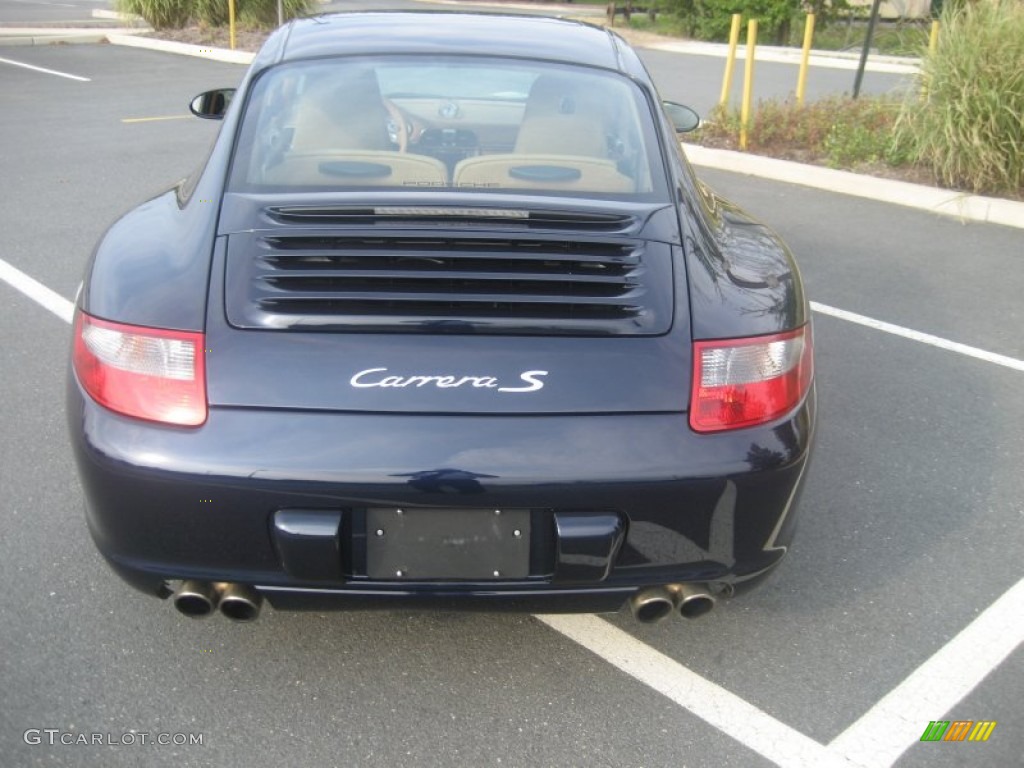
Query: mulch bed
point(216, 37)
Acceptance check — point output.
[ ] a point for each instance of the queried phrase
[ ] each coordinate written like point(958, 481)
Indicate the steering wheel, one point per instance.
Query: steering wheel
point(398, 131)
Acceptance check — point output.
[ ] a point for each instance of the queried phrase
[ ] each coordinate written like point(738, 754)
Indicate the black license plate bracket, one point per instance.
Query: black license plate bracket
point(429, 544)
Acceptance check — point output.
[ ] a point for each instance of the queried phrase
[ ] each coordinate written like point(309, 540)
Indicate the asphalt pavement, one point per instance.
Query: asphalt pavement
point(911, 523)
point(49, 12)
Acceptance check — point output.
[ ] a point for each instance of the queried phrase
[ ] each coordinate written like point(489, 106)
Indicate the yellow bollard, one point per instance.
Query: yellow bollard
point(748, 82)
point(933, 45)
point(231, 23)
point(730, 59)
point(801, 78)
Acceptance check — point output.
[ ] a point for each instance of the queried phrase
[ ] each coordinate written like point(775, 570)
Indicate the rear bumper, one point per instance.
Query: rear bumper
point(165, 503)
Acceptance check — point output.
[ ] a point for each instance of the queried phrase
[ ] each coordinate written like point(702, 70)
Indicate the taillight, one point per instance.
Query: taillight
point(149, 373)
point(744, 382)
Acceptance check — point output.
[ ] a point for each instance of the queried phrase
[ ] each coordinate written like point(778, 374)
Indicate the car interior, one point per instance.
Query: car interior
point(320, 127)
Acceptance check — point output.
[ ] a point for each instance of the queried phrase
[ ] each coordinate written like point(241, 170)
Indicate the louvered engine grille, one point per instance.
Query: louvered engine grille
point(422, 281)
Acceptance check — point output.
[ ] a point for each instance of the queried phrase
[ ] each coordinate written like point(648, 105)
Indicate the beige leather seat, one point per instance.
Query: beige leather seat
point(556, 172)
point(561, 145)
point(341, 113)
point(561, 118)
point(357, 168)
point(339, 137)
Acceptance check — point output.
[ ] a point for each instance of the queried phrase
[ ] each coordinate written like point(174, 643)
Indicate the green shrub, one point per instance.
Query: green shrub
point(778, 20)
point(967, 126)
point(840, 131)
point(773, 19)
point(862, 133)
point(211, 13)
point(906, 37)
point(159, 14)
point(174, 14)
point(263, 13)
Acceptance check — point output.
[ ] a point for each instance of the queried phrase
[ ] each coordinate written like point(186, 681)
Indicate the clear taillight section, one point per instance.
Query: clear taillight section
point(744, 382)
point(148, 373)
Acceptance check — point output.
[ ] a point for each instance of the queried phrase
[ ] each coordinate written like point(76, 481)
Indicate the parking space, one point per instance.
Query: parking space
point(49, 12)
point(911, 522)
point(902, 540)
point(936, 274)
point(71, 164)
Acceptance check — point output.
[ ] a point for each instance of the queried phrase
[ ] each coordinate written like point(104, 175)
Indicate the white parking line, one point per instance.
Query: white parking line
point(879, 737)
point(896, 722)
point(876, 740)
point(155, 119)
point(924, 338)
point(14, 63)
point(64, 308)
point(732, 715)
point(36, 291)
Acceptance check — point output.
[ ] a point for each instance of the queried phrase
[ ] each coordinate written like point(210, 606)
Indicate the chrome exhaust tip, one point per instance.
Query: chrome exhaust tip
point(195, 599)
point(691, 601)
point(240, 602)
point(651, 605)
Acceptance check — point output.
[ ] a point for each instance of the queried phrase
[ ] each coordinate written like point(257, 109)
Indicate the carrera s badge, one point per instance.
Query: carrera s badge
point(375, 377)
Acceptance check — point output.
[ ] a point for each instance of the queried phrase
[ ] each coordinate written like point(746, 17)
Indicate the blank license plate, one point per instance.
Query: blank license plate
point(427, 544)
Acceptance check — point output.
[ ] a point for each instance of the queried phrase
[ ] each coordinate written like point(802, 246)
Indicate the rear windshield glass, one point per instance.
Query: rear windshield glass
point(465, 123)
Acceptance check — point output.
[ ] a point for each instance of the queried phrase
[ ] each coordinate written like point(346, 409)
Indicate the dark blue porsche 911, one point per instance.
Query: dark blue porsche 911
point(445, 320)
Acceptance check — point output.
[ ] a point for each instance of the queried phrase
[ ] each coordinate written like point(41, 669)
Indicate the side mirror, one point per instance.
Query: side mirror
point(212, 105)
point(683, 118)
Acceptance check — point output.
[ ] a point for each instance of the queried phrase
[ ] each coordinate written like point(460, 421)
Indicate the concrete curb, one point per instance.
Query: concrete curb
point(61, 39)
point(51, 35)
point(945, 202)
point(184, 49)
point(898, 65)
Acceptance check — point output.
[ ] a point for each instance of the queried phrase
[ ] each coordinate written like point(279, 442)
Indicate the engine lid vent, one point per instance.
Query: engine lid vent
point(357, 278)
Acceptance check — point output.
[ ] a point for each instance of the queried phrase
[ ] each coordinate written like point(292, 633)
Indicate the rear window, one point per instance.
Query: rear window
point(466, 124)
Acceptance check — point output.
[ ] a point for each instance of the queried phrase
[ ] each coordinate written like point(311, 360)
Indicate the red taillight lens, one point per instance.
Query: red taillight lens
point(744, 382)
point(149, 373)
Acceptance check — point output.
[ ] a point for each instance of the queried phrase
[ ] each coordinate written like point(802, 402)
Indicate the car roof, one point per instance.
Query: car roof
point(442, 32)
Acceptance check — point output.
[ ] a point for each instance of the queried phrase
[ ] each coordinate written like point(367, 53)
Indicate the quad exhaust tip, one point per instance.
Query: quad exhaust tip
point(689, 601)
point(198, 599)
point(195, 599)
point(240, 603)
point(651, 605)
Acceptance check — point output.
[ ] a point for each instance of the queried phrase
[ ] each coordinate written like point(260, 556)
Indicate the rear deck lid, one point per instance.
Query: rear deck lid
point(440, 309)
